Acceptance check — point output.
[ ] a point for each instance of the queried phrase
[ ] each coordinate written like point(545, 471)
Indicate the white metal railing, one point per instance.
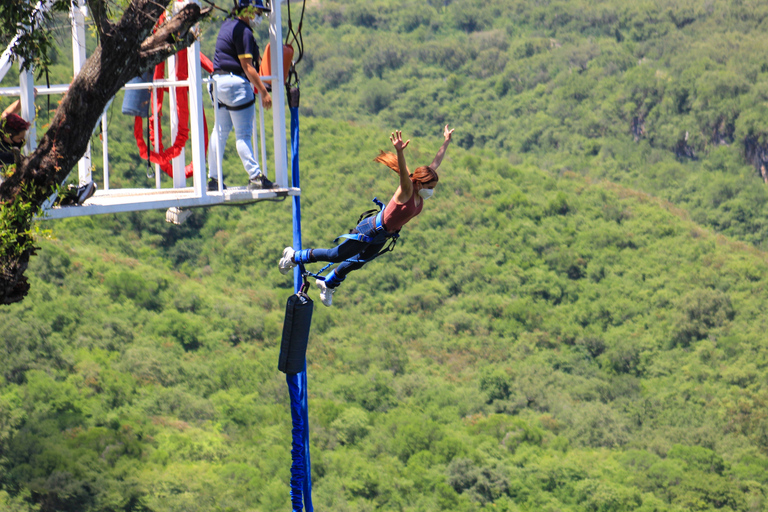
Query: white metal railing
point(258, 137)
point(194, 84)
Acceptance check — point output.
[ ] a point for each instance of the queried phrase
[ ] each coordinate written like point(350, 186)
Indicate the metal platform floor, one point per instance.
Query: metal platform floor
point(125, 200)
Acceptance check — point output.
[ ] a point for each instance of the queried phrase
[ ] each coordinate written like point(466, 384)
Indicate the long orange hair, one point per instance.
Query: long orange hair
point(423, 174)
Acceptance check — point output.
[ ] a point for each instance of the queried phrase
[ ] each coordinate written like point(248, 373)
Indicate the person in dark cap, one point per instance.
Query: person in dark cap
point(236, 78)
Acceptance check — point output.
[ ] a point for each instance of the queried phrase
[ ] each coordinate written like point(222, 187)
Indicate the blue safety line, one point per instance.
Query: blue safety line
point(301, 468)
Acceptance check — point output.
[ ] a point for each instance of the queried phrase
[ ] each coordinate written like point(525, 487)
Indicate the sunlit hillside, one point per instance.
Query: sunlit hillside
point(574, 323)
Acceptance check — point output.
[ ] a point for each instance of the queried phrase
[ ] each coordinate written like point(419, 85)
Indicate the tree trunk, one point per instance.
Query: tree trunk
point(126, 48)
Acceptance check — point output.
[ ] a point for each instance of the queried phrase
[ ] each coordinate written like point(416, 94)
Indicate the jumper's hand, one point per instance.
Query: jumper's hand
point(447, 133)
point(397, 140)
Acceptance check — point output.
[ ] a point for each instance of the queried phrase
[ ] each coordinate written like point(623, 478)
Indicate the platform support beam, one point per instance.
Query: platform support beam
point(77, 17)
point(196, 129)
point(278, 95)
point(179, 179)
point(27, 96)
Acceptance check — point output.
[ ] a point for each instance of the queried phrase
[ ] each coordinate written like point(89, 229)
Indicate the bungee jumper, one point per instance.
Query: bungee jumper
point(368, 239)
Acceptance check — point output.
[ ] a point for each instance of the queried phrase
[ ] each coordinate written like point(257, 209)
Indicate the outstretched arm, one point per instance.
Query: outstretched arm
point(13, 108)
point(441, 152)
point(406, 187)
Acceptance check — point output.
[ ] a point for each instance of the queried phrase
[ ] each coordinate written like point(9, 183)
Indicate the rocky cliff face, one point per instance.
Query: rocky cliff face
point(756, 153)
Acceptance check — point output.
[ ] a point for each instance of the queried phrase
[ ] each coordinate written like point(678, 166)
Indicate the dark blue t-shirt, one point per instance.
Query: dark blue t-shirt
point(235, 41)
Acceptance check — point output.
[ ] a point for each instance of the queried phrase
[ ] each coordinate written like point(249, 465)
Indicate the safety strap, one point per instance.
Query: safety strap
point(372, 211)
point(390, 247)
point(392, 237)
point(239, 107)
point(364, 238)
point(379, 223)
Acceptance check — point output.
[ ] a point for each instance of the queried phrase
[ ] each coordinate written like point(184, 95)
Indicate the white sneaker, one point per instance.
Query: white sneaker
point(326, 294)
point(286, 263)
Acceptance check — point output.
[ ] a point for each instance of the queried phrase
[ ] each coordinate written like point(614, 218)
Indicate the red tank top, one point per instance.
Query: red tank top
point(397, 215)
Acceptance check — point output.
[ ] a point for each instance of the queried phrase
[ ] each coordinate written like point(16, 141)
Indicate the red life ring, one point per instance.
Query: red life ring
point(163, 156)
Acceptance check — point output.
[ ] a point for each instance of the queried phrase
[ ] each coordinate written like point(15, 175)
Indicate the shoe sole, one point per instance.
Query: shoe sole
point(324, 290)
point(283, 266)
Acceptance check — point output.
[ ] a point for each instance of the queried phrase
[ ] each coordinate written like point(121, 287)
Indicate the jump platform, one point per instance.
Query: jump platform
point(129, 200)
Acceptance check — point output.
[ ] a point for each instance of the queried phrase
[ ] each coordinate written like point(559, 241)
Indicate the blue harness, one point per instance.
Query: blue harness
point(392, 237)
point(365, 238)
point(379, 228)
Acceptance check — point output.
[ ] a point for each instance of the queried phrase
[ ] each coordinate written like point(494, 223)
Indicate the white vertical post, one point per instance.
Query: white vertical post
point(179, 180)
point(278, 95)
point(27, 97)
point(263, 140)
point(77, 16)
point(156, 122)
point(105, 149)
point(255, 134)
point(215, 158)
point(197, 132)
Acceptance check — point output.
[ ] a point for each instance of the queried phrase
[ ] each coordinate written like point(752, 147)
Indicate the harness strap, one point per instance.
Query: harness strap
point(235, 73)
point(354, 236)
point(379, 222)
point(384, 250)
point(390, 247)
point(379, 226)
point(239, 107)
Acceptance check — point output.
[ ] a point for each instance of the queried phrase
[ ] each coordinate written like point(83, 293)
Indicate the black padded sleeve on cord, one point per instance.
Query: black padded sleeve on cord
point(293, 348)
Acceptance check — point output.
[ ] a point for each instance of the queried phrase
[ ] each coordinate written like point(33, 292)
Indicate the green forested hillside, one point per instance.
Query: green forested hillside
point(663, 96)
point(570, 325)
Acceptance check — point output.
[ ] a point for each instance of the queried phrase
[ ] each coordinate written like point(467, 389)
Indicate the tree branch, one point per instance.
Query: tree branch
point(128, 46)
point(171, 36)
point(98, 9)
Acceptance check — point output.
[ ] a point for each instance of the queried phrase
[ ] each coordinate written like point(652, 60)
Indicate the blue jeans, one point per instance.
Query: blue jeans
point(359, 252)
point(232, 91)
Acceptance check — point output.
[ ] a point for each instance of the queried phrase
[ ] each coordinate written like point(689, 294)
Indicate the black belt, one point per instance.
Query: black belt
point(241, 75)
point(238, 107)
point(236, 73)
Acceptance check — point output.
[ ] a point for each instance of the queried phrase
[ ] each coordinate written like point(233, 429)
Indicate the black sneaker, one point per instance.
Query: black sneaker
point(84, 192)
point(260, 182)
point(213, 185)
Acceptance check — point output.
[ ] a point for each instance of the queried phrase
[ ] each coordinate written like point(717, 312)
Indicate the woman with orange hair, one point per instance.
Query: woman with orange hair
point(371, 234)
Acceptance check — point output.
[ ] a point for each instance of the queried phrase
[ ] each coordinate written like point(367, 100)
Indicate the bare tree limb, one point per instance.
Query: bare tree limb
point(171, 36)
point(130, 48)
point(98, 9)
